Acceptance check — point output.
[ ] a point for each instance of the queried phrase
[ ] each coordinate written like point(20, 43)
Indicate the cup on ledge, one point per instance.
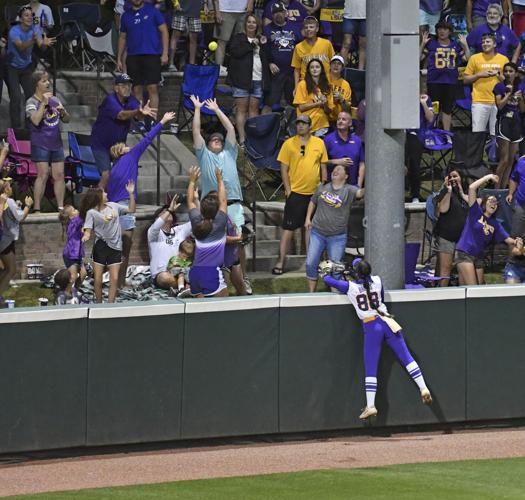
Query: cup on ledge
point(10, 303)
point(42, 301)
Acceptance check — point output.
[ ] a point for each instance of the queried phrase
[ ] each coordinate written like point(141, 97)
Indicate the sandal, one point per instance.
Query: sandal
point(277, 270)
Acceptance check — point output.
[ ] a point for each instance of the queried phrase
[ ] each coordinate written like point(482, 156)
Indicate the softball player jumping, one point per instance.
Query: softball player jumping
point(366, 295)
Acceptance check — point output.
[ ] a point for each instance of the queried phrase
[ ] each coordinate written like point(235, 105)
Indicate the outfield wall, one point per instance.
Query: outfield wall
point(114, 374)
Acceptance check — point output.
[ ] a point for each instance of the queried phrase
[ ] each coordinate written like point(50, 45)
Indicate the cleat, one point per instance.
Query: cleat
point(369, 411)
point(426, 397)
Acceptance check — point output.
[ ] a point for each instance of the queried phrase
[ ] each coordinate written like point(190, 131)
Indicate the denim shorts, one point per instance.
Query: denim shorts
point(102, 159)
point(127, 221)
point(255, 91)
point(354, 27)
point(514, 272)
point(39, 154)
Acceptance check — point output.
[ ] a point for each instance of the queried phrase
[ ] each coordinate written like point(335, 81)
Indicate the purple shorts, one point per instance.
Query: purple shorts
point(206, 280)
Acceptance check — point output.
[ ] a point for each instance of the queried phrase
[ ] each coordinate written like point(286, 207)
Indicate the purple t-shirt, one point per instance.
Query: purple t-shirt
point(443, 62)
point(46, 134)
point(108, 129)
point(296, 13)
point(511, 109)
point(518, 175)
point(479, 7)
point(142, 29)
point(431, 6)
point(74, 248)
point(506, 40)
point(479, 232)
point(209, 252)
point(127, 167)
point(281, 41)
point(352, 148)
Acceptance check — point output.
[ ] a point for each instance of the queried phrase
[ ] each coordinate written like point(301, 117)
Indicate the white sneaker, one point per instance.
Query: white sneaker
point(172, 67)
point(223, 71)
point(426, 397)
point(184, 293)
point(369, 411)
point(248, 286)
point(415, 200)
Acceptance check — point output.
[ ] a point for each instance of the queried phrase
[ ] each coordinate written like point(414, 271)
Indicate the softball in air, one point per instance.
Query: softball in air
point(213, 46)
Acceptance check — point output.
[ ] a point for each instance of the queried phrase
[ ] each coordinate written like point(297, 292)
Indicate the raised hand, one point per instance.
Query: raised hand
point(196, 102)
point(174, 203)
point(195, 173)
point(130, 187)
point(147, 110)
point(168, 116)
point(218, 175)
point(211, 104)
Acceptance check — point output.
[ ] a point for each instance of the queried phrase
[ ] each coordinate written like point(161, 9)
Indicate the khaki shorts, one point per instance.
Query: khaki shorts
point(231, 24)
point(462, 257)
point(441, 245)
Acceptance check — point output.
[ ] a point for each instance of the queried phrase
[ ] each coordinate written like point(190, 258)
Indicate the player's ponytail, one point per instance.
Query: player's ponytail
point(364, 271)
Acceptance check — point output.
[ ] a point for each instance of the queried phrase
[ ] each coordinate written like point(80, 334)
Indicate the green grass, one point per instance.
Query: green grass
point(476, 479)
point(26, 295)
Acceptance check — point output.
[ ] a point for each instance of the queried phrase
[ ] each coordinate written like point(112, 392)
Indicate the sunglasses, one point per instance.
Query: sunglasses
point(303, 147)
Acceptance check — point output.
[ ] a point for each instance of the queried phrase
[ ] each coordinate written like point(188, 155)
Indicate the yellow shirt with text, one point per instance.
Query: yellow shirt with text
point(482, 88)
point(303, 53)
point(318, 116)
point(343, 87)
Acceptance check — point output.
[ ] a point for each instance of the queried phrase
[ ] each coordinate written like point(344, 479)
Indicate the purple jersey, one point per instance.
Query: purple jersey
point(352, 148)
point(47, 133)
point(479, 232)
point(511, 109)
point(142, 29)
point(209, 252)
point(443, 62)
point(518, 176)
point(126, 167)
point(74, 248)
point(506, 40)
point(281, 41)
point(231, 251)
point(108, 129)
point(296, 13)
point(431, 6)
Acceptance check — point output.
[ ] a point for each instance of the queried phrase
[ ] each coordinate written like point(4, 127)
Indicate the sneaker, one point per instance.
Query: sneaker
point(223, 71)
point(172, 68)
point(415, 200)
point(247, 286)
point(184, 293)
point(426, 397)
point(369, 411)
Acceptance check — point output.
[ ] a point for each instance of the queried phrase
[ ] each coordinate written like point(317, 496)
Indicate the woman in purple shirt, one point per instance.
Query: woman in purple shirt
point(481, 229)
point(509, 101)
point(74, 248)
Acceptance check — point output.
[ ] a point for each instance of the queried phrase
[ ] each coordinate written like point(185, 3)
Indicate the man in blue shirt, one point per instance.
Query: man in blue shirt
point(282, 35)
point(113, 122)
point(346, 148)
point(21, 39)
point(144, 33)
point(221, 153)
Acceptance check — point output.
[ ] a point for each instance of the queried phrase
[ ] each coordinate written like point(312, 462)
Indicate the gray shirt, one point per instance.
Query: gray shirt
point(333, 208)
point(106, 224)
point(13, 214)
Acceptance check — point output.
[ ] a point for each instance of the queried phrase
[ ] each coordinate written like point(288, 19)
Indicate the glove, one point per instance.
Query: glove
point(325, 267)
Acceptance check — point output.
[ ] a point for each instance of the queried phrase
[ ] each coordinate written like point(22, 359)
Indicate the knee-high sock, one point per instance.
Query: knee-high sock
point(417, 376)
point(370, 389)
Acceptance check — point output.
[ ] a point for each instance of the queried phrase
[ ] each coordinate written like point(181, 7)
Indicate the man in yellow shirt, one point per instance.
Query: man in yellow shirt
point(484, 70)
point(339, 87)
point(312, 47)
point(303, 166)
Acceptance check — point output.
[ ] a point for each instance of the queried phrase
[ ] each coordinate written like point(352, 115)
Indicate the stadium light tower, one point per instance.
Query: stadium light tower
point(392, 105)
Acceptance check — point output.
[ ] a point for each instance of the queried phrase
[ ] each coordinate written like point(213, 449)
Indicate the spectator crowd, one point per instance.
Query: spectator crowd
point(274, 55)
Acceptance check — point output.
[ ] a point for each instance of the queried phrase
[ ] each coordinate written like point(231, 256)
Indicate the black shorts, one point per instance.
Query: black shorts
point(144, 70)
point(509, 129)
point(10, 248)
point(295, 210)
point(281, 83)
point(105, 255)
point(445, 94)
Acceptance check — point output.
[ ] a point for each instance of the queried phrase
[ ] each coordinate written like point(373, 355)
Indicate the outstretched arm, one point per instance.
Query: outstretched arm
point(225, 121)
point(198, 140)
point(473, 188)
point(221, 191)
point(190, 193)
point(340, 285)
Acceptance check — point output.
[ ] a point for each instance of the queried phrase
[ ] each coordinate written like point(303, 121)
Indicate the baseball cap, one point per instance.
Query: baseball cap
point(123, 78)
point(339, 58)
point(278, 7)
point(304, 119)
point(216, 135)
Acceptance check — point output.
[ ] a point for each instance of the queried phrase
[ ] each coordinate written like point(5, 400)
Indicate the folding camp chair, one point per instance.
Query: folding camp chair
point(428, 234)
point(413, 277)
point(437, 153)
point(83, 161)
point(75, 20)
point(200, 81)
point(100, 44)
point(462, 110)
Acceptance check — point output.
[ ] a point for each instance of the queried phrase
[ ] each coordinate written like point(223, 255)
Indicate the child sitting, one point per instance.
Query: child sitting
point(179, 266)
point(74, 248)
point(66, 293)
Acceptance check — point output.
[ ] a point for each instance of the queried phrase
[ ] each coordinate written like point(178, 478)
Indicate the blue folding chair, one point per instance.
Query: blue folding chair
point(200, 81)
point(83, 161)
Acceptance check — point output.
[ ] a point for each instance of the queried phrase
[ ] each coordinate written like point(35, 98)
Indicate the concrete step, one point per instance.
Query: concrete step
point(266, 263)
point(265, 232)
point(69, 98)
point(265, 248)
point(149, 183)
point(80, 111)
point(64, 86)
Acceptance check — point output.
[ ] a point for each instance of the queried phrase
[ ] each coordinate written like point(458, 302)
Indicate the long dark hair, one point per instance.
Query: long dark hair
point(517, 79)
point(92, 199)
point(364, 270)
point(323, 84)
point(209, 208)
